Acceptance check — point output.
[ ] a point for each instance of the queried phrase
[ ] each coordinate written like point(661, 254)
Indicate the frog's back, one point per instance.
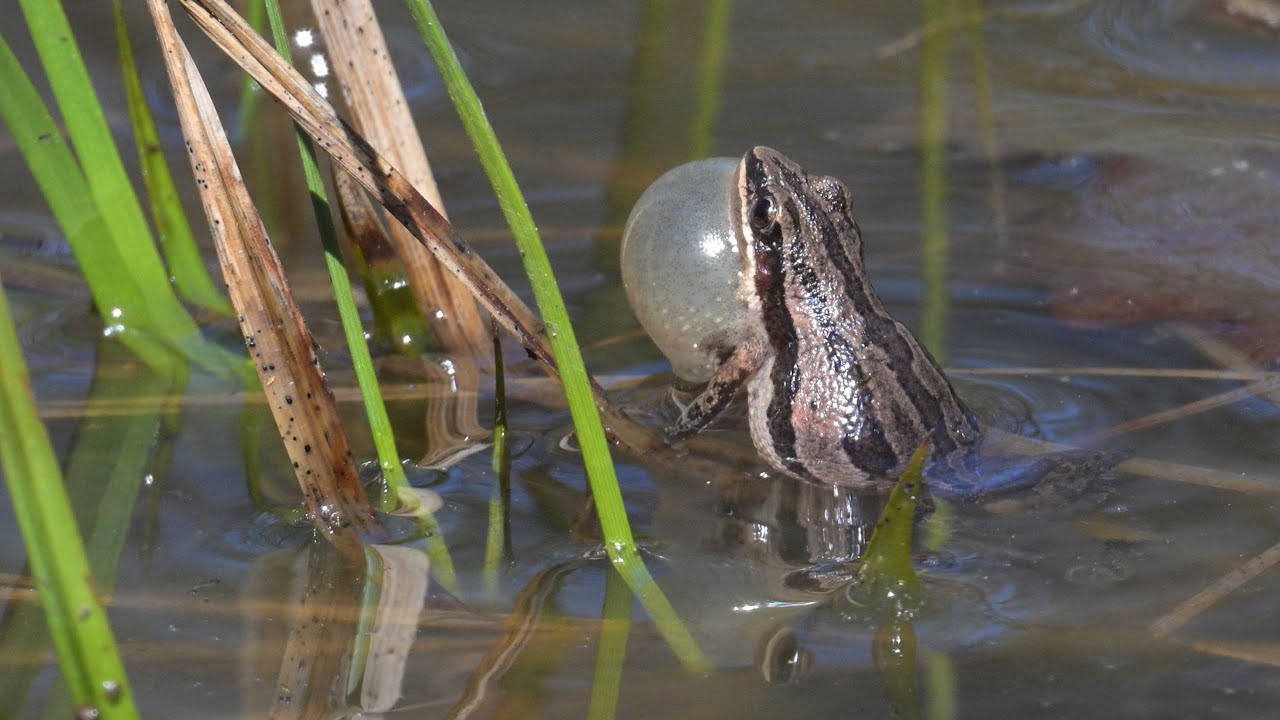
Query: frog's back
point(861, 396)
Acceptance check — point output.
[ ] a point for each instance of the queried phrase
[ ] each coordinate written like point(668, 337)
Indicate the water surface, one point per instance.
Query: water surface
point(1137, 146)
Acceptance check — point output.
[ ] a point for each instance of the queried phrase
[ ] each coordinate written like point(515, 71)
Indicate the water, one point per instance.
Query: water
point(1137, 143)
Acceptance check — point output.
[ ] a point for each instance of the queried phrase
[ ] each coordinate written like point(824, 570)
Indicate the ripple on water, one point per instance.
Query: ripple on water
point(1188, 41)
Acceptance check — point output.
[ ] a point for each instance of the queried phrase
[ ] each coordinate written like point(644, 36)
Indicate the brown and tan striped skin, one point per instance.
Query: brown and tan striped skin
point(838, 391)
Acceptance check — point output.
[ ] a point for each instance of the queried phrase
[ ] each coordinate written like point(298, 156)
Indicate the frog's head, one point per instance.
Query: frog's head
point(795, 224)
point(785, 210)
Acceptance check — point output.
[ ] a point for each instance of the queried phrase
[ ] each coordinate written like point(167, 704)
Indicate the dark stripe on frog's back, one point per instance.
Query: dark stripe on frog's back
point(914, 402)
point(770, 283)
point(925, 388)
point(877, 455)
point(874, 455)
point(873, 451)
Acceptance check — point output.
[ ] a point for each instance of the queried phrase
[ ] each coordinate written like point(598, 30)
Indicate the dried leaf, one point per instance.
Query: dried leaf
point(280, 345)
point(397, 194)
point(372, 91)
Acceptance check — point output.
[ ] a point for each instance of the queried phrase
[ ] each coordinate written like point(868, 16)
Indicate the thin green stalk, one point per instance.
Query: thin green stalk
point(93, 202)
point(438, 551)
point(146, 300)
point(631, 567)
point(395, 489)
point(396, 494)
point(933, 179)
point(715, 43)
point(985, 106)
point(87, 653)
point(586, 418)
point(60, 179)
point(497, 539)
point(188, 270)
point(619, 542)
point(104, 473)
point(940, 685)
point(254, 12)
point(615, 625)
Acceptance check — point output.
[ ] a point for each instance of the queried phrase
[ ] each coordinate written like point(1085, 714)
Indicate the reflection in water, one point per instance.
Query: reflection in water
point(523, 691)
point(1188, 41)
point(1008, 584)
point(797, 523)
point(894, 652)
point(1187, 238)
point(349, 617)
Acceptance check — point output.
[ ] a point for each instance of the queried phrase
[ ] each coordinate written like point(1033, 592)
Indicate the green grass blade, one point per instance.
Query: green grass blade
point(190, 275)
point(124, 292)
point(152, 305)
point(498, 539)
point(619, 542)
point(715, 43)
point(254, 12)
point(396, 491)
point(586, 418)
point(64, 187)
point(86, 647)
point(886, 576)
point(615, 625)
point(103, 476)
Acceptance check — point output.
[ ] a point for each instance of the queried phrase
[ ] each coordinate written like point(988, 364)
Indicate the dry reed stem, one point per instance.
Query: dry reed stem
point(1259, 653)
point(372, 91)
point(1213, 402)
point(1225, 355)
point(1249, 483)
point(452, 428)
point(1220, 588)
point(353, 154)
point(1231, 358)
point(280, 345)
point(1145, 373)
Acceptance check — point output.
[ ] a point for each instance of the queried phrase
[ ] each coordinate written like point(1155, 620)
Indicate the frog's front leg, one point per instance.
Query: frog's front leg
point(732, 374)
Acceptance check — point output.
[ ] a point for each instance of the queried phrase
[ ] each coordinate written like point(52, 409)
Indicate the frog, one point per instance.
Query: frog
point(838, 391)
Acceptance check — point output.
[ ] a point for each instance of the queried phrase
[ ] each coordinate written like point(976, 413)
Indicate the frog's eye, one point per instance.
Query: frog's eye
point(764, 214)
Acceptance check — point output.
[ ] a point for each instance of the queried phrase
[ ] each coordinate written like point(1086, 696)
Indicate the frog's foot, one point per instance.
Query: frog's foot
point(719, 391)
point(1034, 482)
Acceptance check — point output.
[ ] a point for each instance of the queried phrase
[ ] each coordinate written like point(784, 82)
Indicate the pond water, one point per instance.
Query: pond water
point(1128, 269)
